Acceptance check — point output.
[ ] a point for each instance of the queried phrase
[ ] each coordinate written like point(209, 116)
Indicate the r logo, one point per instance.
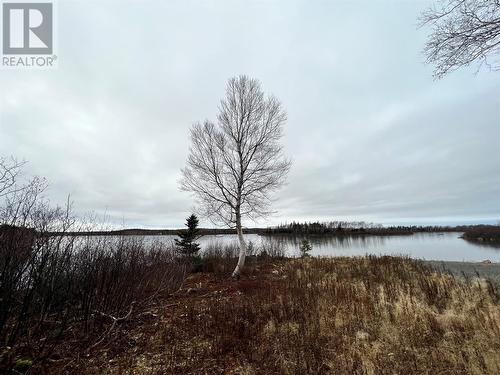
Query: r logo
point(27, 29)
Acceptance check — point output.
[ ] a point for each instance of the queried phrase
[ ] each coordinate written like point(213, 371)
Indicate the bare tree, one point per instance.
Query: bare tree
point(463, 32)
point(235, 164)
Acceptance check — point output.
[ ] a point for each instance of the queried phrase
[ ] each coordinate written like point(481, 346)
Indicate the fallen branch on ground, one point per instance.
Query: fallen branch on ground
point(115, 321)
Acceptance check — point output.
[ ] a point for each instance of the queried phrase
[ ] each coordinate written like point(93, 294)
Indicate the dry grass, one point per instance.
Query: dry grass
point(374, 315)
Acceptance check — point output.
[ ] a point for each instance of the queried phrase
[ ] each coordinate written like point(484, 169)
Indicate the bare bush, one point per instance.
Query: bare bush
point(52, 283)
point(272, 247)
point(219, 258)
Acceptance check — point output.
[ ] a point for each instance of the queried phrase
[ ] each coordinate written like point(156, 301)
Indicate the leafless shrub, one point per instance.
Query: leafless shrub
point(52, 283)
point(272, 247)
point(219, 258)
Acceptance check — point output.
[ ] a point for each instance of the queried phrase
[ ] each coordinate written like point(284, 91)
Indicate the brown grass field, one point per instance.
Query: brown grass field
point(370, 315)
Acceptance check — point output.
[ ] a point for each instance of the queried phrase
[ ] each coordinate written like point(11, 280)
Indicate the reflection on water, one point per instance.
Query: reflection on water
point(494, 245)
point(429, 246)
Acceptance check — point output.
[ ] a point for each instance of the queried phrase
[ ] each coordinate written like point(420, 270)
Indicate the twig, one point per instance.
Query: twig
point(115, 321)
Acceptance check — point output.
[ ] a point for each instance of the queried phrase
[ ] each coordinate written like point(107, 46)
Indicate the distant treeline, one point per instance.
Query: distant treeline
point(162, 232)
point(359, 228)
point(296, 228)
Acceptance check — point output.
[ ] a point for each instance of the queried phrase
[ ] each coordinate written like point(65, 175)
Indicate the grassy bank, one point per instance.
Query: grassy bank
point(313, 316)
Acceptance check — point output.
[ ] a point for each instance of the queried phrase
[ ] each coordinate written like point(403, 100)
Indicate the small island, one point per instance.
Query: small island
point(483, 233)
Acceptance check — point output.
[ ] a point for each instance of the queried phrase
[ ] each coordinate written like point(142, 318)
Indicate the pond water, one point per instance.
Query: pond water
point(428, 246)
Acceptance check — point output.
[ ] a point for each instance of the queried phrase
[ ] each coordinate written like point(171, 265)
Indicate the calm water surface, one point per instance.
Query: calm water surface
point(428, 246)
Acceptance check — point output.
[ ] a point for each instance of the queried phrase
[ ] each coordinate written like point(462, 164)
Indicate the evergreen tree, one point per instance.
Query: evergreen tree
point(305, 248)
point(186, 244)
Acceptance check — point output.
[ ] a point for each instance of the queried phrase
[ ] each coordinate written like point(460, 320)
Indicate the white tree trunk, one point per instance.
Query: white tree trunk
point(243, 249)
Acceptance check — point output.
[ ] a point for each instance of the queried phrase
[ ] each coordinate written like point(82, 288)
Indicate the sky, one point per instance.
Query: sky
point(371, 134)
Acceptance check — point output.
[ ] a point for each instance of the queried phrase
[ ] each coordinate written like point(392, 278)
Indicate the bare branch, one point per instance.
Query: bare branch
point(463, 32)
point(9, 172)
point(234, 166)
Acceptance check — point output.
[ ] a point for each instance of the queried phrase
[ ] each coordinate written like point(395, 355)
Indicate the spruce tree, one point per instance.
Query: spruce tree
point(186, 244)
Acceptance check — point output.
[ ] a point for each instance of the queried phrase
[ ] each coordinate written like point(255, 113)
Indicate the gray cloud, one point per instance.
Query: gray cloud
point(371, 134)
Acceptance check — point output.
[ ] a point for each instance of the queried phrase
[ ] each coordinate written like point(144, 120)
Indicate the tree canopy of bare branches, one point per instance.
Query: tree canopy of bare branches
point(463, 32)
point(236, 163)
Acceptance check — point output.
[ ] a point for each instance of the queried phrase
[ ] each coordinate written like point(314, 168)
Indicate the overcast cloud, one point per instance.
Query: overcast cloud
point(372, 136)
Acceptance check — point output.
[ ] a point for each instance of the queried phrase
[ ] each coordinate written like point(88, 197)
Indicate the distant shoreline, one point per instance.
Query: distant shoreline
point(485, 234)
point(389, 231)
point(468, 269)
point(306, 229)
